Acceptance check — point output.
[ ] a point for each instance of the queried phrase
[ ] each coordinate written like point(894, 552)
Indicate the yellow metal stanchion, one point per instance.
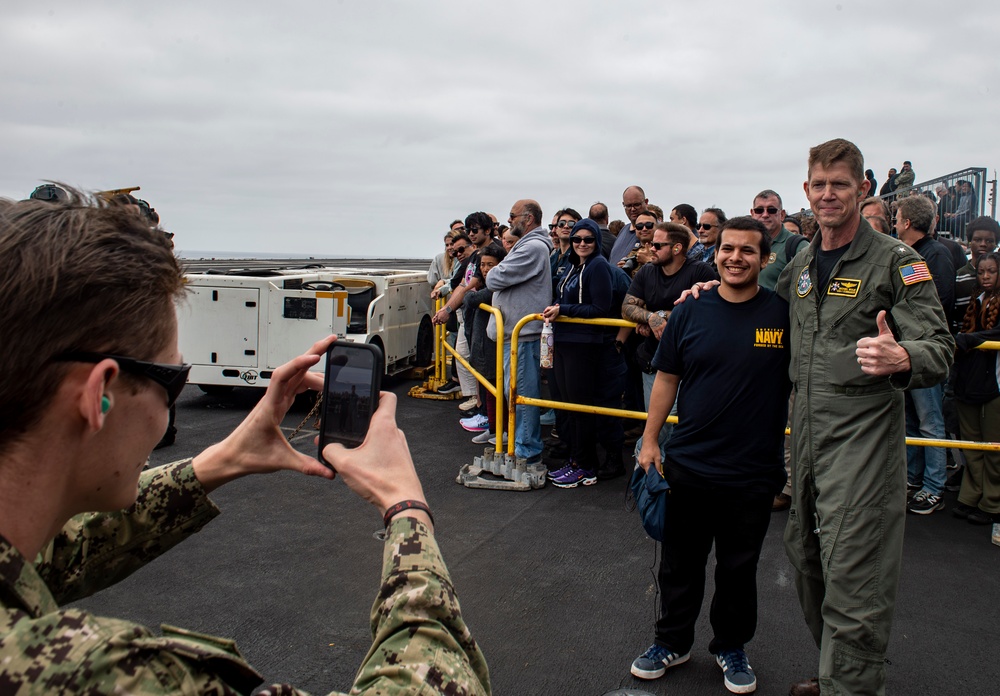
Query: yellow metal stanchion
point(505, 475)
point(525, 479)
point(428, 390)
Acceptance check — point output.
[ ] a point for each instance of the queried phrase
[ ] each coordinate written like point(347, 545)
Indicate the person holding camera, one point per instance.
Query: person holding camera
point(87, 296)
point(656, 286)
point(642, 251)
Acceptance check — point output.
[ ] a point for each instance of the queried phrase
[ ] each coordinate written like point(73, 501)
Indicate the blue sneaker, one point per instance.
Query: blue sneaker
point(561, 471)
point(655, 661)
point(574, 477)
point(739, 676)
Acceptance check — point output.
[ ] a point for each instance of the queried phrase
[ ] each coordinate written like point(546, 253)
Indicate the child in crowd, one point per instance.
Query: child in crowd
point(483, 349)
point(977, 396)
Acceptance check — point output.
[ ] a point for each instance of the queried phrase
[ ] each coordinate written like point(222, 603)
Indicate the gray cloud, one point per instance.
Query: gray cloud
point(364, 128)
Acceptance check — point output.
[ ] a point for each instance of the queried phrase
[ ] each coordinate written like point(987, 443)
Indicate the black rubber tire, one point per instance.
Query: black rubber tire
point(216, 389)
point(425, 343)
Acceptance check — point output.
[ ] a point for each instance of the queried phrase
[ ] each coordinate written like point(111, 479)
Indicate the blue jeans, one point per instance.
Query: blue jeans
point(667, 428)
point(528, 437)
point(925, 418)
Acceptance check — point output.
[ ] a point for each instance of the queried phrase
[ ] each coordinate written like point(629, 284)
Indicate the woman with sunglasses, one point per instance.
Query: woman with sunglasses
point(92, 366)
point(587, 367)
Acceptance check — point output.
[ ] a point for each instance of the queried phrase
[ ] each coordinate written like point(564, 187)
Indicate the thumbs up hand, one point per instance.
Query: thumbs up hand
point(881, 355)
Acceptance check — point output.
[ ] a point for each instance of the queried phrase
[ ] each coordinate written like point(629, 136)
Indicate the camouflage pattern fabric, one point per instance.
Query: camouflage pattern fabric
point(904, 182)
point(421, 644)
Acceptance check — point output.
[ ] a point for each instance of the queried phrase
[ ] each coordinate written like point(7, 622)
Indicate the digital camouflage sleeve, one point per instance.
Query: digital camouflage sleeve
point(421, 644)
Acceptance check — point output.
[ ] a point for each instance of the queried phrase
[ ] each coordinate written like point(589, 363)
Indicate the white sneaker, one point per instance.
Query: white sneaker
point(469, 404)
point(493, 439)
point(484, 437)
point(476, 424)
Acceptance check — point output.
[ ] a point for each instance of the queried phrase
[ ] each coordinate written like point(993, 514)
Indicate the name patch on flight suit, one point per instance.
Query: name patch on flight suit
point(769, 338)
point(804, 284)
point(844, 287)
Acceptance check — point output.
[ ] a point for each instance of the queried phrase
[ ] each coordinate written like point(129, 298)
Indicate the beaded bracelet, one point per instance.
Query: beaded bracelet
point(406, 505)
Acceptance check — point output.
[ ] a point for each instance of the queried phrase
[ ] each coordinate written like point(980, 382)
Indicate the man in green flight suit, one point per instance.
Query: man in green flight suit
point(866, 324)
point(91, 369)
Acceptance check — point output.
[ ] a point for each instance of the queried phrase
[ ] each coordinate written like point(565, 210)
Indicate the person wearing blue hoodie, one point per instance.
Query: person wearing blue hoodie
point(522, 285)
point(584, 352)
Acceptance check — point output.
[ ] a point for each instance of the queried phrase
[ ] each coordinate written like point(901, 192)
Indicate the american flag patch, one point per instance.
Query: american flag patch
point(915, 273)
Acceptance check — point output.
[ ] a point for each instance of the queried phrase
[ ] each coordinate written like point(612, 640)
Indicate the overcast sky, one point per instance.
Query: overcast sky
point(364, 127)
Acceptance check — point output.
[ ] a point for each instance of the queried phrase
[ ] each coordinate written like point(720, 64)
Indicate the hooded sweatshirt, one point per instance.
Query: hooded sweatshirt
point(522, 284)
point(586, 292)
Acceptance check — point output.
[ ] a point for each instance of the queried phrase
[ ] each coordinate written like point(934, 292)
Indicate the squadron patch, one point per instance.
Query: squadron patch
point(804, 284)
point(914, 273)
point(772, 258)
point(844, 287)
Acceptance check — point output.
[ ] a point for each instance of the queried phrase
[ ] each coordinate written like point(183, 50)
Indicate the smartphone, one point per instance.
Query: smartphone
point(350, 393)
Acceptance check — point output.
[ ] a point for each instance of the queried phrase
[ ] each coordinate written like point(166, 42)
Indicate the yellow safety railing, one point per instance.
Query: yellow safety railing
point(495, 389)
point(514, 399)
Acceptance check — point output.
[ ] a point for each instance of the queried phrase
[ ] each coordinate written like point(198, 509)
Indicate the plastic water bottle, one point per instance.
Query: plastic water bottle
point(547, 349)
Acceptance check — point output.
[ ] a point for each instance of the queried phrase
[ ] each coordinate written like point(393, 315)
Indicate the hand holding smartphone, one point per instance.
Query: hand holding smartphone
point(350, 393)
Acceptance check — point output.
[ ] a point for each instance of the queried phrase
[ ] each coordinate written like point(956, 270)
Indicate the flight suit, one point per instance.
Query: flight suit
point(421, 644)
point(845, 528)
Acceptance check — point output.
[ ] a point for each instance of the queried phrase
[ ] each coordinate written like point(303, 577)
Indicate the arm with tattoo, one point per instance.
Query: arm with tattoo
point(635, 310)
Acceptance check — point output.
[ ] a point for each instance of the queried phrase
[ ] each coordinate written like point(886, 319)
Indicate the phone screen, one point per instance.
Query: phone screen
point(353, 377)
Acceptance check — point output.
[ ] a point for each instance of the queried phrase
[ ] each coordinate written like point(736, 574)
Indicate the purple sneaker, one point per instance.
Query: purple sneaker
point(553, 475)
point(574, 477)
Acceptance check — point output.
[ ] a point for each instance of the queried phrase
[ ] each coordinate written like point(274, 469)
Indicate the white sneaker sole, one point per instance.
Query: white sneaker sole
point(735, 688)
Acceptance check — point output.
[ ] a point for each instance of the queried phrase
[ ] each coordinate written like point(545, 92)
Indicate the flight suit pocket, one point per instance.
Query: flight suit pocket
point(843, 367)
point(852, 558)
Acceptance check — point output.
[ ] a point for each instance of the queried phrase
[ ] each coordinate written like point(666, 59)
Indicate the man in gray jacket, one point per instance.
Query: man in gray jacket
point(522, 284)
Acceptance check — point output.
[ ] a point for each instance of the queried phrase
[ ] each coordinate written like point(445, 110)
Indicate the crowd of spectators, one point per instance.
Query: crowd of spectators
point(636, 269)
point(910, 245)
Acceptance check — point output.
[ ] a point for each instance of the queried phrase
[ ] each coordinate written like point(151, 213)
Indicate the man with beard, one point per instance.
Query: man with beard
point(522, 284)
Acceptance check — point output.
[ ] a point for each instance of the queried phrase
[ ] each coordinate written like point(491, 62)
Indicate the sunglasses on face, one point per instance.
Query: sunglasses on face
point(583, 240)
point(456, 250)
point(759, 210)
point(645, 225)
point(660, 245)
point(706, 226)
point(171, 377)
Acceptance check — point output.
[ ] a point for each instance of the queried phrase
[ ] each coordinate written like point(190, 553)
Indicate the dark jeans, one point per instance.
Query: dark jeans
point(737, 522)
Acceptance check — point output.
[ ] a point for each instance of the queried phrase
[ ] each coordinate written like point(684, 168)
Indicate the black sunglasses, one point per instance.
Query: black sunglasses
point(706, 226)
point(455, 251)
point(660, 245)
point(583, 240)
point(171, 377)
point(644, 225)
point(759, 210)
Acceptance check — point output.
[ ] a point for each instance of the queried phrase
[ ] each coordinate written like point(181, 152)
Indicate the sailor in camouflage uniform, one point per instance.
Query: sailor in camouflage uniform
point(75, 430)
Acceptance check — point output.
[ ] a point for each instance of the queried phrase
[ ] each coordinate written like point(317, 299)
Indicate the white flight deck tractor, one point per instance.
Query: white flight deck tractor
point(237, 326)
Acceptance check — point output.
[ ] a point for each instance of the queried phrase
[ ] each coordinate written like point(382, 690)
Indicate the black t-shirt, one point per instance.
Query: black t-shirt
point(825, 263)
point(659, 291)
point(474, 259)
point(732, 406)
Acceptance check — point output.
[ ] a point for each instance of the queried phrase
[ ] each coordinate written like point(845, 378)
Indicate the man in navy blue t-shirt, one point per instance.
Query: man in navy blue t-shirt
point(724, 460)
